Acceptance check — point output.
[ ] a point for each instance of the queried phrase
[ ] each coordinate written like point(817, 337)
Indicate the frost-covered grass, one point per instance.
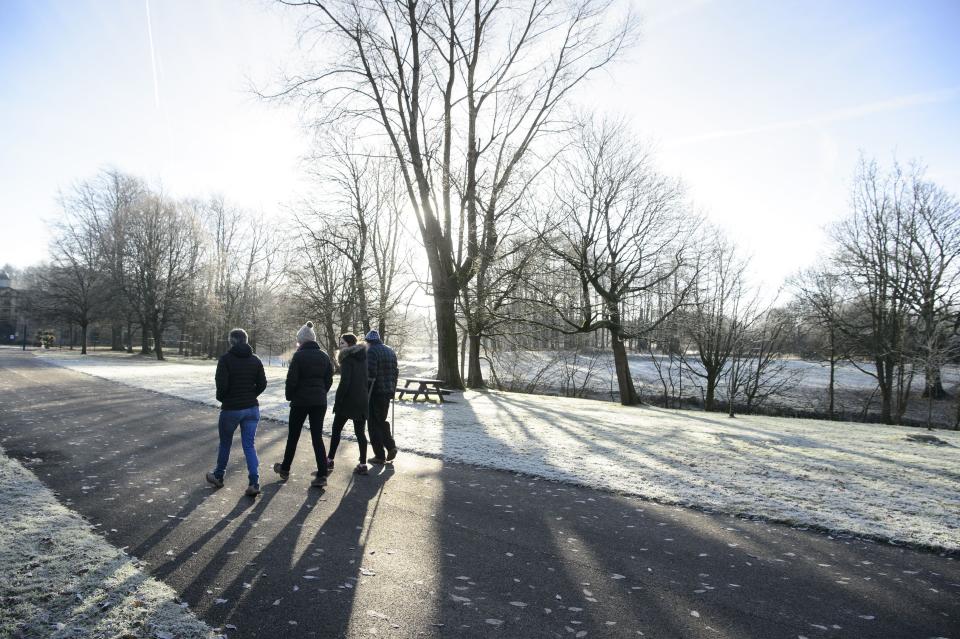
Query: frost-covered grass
point(802, 386)
point(867, 479)
point(61, 579)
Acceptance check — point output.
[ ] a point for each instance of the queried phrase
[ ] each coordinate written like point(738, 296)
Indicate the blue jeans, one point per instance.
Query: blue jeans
point(247, 419)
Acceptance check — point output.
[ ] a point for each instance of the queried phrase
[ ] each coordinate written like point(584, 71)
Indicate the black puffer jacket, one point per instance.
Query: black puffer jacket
point(309, 376)
point(240, 378)
point(351, 399)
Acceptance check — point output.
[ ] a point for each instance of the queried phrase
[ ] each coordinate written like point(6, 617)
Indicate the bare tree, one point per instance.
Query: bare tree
point(243, 269)
point(715, 320)
point(319, 278)
point(622, 229)
point(766, 373)
point(932, 257)
point(74, 286)
point(103, 206)
point(359, 218)
point(462, 91)
point(870, 254)
point(822, 298)
point(164, 253)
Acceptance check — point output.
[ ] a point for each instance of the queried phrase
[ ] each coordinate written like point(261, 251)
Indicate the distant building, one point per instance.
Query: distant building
point(11, 311)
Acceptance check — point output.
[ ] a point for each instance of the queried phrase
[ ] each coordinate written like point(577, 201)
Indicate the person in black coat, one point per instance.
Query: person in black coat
point(309, 377)
point(240, 380)
point(351, 398)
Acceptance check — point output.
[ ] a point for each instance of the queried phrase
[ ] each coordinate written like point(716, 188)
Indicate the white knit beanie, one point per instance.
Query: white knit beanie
point(306, 333)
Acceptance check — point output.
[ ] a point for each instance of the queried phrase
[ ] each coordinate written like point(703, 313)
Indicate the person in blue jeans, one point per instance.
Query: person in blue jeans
point(240, 380)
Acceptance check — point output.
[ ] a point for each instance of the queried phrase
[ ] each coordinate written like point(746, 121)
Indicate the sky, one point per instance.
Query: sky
point(761, 108)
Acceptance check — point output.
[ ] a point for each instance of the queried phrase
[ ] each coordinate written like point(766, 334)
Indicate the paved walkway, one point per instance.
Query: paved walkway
point(440, 550)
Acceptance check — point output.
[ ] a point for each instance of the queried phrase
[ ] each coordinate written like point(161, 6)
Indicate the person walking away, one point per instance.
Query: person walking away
point(382, 369)
point(309, 377)
point(240, 380)
point(351, 399)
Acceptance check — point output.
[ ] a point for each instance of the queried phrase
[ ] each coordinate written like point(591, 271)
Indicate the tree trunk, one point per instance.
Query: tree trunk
point(475, 374)
point(129, 336)
point(157, 331)
point(885, 382)
point(711, 391)
point(933, 383)
point(831, 388)
point(116, 336)
point(628, 394)
point(447, 366)
point(83, 338)
point(144, 340)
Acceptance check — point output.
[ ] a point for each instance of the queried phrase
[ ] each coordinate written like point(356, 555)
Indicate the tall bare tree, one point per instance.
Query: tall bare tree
point(822, 299)
point(74, 285)
point(622, 228)
point(461, 91)
point(243, 268)
point(103, 206)
point(871, 247)
point(165, 248)
point(358, 217)
point(319, 282)
point(716, 318)
point(932, 256)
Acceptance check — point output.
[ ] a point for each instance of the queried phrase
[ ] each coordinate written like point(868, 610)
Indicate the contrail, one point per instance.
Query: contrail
point(153, 58)
point(850, 113)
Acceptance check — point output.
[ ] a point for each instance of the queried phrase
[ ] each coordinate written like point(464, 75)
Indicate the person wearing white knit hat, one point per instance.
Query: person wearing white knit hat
point(306, 334)
point(309, 377)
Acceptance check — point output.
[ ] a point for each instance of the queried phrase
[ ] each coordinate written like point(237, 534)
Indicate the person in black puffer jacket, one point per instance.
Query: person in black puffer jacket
point(383, 370)
point(240, 380)
point(351, 398)
point(309, 378)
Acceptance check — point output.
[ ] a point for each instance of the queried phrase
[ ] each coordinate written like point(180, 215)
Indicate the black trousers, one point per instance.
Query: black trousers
point(299, 414)
point(380, 438)
point(338, 423)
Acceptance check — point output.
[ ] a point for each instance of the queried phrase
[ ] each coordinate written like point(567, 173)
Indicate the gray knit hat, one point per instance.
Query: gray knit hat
point(306, 333)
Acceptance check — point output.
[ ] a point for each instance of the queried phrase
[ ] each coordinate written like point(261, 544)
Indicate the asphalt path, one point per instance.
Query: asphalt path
point(426, 548)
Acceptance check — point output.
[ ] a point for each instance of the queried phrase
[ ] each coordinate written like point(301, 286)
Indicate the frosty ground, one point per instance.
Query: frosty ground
point(865, 479)
point(66, 581)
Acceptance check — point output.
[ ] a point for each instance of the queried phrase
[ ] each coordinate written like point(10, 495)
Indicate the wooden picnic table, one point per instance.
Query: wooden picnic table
point(426, 387)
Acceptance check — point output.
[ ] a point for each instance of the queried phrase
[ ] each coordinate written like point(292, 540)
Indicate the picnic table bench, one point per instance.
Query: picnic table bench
point(424, 386)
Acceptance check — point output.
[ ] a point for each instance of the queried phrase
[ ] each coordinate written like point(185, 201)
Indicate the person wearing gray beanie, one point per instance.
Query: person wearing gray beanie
point(309, 377)
point(306, 334)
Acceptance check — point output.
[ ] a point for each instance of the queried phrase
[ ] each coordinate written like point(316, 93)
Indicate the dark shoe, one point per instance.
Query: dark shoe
point(329, 463)
point(361, 469)
point(252, 490)
point(216, 481)
point(378, 460)
point(392, 454)
point(284, 474)
point(319, 482)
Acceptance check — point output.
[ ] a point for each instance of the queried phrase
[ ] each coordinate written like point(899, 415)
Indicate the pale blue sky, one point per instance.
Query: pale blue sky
point(761, 107)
